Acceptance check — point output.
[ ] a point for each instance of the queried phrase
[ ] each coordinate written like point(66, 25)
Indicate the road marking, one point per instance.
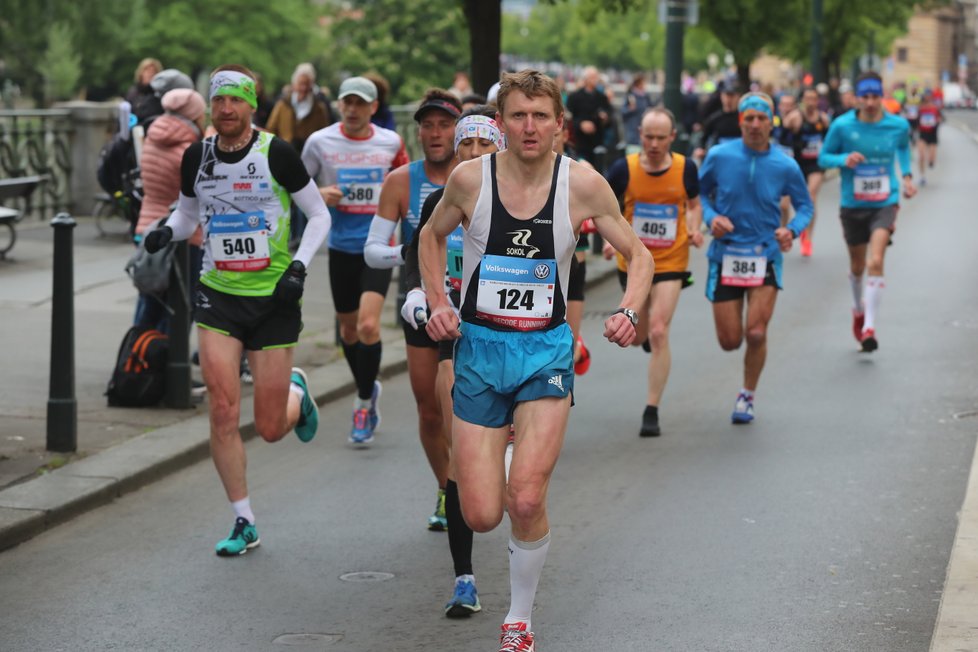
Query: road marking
point(957, 619)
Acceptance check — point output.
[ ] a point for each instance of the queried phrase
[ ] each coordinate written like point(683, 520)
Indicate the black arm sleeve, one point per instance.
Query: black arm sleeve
point(286, 166)
point(691, 179)
point(412, 267)
point(188, 168)
point(617, 176)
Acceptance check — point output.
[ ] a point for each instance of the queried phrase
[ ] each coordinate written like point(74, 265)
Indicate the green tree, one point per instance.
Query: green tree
point(61, 64)
point(267, 37)
point(101, 44)
point(579, 32)
point(413, 45)
point(745, 27)
point(847, 28)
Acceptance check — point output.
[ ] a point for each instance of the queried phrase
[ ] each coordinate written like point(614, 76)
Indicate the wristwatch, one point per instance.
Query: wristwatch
point(628, 312)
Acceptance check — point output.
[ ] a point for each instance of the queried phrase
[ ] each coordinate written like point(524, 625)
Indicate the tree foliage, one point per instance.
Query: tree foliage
point(623, 34)
point(745, 27)
point(413, 48)
point(61, 64)
point(847, 28)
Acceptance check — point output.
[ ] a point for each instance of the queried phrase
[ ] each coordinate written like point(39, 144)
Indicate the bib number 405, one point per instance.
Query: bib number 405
point(514, 299)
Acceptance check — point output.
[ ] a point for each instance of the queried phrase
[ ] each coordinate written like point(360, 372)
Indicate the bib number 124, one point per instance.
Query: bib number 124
point(514, 299)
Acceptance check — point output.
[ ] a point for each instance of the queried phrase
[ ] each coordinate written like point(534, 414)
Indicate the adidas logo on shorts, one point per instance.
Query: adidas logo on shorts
point(557, 381)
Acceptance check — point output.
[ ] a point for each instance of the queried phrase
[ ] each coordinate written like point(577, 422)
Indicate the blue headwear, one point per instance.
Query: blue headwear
point(869, 86)
point(755, 103)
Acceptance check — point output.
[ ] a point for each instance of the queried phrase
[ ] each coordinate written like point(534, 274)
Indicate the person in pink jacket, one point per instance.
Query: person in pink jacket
point(168, 136)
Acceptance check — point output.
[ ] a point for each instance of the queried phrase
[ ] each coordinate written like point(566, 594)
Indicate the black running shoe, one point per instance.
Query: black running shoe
point(650, 422)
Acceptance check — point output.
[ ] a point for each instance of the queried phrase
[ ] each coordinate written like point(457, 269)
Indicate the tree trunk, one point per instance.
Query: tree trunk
point(743, 76)
point(484, 18)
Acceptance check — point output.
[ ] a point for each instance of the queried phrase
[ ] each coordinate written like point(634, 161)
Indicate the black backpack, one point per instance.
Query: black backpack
point(116, 165)
point(139, 377)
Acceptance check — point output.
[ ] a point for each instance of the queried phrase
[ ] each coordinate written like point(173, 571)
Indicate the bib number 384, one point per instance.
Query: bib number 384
point(239, 243)
point(742, 267)
point(517, 293)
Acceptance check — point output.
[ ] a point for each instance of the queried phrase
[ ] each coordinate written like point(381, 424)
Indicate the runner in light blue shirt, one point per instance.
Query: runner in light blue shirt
point(865, 143)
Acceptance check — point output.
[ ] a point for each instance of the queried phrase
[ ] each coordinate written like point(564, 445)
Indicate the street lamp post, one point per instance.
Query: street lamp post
point(675, 26)
point(818, 73)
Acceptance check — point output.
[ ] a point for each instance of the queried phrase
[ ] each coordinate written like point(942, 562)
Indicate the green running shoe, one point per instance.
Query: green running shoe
point(437, 522)
point(308, 423)
point(243, 538)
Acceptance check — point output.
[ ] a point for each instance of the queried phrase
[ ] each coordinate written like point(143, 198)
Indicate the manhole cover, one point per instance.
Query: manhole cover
point(966, 415)
point(307, 639)
point(367, 576)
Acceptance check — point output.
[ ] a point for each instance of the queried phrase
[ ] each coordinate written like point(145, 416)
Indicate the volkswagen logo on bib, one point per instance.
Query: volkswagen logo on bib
point(541, 271)
point(253, 221)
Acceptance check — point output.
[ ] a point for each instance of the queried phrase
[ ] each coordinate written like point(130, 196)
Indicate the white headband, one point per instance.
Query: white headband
point(479, 126)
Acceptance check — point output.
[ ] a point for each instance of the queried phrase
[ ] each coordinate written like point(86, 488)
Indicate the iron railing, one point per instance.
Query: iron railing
point(38, 142)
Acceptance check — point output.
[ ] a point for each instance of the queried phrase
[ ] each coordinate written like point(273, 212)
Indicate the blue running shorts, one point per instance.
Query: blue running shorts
point(495, 370)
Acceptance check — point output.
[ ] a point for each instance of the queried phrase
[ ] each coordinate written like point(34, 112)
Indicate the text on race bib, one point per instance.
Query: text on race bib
point(871, 183)
point(517, 293)
point(743, 267)
point(655, 224)
point(239, 242)
point(361, 189)
point(813, 146)
point(453, 269)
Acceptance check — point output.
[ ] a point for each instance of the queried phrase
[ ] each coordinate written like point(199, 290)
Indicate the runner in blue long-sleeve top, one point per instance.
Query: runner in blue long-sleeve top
point(865, 143)
point(741, 185)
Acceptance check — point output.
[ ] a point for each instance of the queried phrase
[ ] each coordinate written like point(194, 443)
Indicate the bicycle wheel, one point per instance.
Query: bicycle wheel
point(110, 217)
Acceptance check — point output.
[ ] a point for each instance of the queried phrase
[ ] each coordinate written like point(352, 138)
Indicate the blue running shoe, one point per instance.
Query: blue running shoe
point(362, 434)
point(743, 409)
point(308, 423)
point(374, 410)
point(243, 538)
point(465, 600)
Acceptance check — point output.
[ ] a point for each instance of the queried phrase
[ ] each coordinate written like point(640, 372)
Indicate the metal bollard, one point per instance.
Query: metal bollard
point(62, 416)
point(178, 357)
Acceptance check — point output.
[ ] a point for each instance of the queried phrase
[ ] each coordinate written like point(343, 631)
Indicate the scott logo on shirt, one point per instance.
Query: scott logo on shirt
point(521, 237)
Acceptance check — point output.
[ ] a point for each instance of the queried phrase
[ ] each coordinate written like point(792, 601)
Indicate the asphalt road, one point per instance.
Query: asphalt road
point(825, 525)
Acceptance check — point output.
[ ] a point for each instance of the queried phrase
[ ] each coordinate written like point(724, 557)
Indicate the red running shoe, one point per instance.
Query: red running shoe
point(515, 638)
point(868, 341)
point(806, 244)
point(857, 325)
point(584, 362)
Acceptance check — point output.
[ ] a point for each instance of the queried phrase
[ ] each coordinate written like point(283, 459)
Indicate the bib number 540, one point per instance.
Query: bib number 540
point(238, 246)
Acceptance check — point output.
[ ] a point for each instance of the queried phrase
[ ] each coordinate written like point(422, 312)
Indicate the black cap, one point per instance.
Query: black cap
point(441, 105)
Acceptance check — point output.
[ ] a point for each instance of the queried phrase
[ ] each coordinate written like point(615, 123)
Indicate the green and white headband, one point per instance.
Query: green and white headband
point(236, 84)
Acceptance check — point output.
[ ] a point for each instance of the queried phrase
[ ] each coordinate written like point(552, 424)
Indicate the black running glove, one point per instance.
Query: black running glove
point(289, 288)
point(157, 239)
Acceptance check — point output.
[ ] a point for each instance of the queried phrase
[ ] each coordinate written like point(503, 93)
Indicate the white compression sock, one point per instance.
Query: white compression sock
point(526, 561)
point(874, 294)
point(856, 282)
point(242, 508)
